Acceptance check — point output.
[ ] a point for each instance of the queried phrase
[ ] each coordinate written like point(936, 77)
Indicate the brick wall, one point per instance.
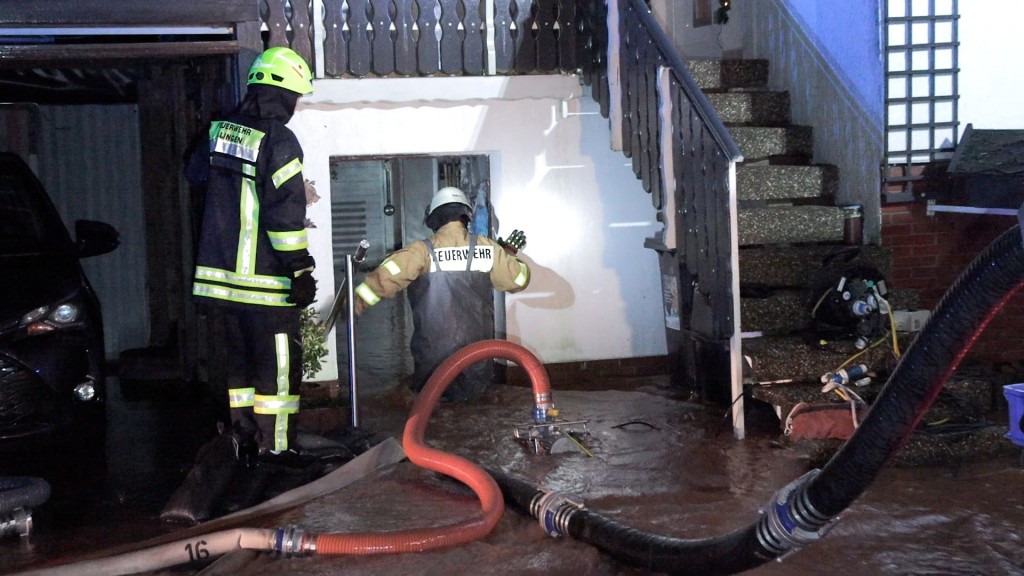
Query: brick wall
point(930, 252)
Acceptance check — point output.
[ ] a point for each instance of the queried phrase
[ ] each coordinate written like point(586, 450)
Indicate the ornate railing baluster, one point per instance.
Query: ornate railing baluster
point(382, 40)
point(504, 42)
point(275, 18)
point(427, 46)
point(473, 38)
point(335, 48)
point(546, 39)
point(360, 60)
point(523, 37)
point(568, 45)
point(301, 36)
point(405, 39)
point(451, 37)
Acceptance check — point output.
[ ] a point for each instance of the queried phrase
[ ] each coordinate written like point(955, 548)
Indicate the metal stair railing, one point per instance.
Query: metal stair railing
point(687, 160)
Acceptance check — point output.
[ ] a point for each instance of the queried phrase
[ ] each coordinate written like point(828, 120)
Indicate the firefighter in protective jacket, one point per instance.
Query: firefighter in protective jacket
point(253, 258)
point(450, 277)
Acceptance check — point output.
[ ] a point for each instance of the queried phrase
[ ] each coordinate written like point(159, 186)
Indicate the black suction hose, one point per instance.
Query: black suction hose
point(957, 321)
point(803, 511)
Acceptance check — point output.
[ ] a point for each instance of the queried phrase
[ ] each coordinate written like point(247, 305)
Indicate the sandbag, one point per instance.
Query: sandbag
point(833, 420)
point(194, 501)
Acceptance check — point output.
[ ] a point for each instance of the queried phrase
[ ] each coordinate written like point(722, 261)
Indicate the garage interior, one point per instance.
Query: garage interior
point(103, 99)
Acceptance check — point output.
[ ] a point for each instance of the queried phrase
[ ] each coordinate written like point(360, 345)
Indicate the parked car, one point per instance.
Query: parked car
point(52, 360)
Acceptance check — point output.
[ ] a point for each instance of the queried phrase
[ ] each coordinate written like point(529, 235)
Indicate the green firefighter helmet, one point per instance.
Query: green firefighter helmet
point(282, 67)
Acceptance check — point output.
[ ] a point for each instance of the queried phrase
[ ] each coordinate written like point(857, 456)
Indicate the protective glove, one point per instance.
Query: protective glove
point(516, 242)
point(360, 306)
point(303, 290)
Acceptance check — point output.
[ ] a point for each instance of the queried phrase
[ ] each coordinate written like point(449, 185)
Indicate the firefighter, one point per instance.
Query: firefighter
point(450, 279)
point(253, 260)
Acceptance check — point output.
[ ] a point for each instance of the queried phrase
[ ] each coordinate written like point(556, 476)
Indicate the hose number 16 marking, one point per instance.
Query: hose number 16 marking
point(198, 551)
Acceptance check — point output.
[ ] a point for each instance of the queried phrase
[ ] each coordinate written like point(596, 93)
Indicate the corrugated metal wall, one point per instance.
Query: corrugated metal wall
point(89, 160)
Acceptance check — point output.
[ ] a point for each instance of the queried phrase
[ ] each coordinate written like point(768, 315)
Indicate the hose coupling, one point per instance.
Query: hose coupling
point(17, 521)
point(544, 408)
point(553, 511)
point(790, 522)
point(292, 541)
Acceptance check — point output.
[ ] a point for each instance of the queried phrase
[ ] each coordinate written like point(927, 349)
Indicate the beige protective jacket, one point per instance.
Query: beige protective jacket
point(507, 273)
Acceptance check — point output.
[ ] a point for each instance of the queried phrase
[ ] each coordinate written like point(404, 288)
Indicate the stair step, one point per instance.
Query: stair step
point(799, 266)
point(790, 225)
point(752, 108)
point(779, 313)
point(713, 75)
point(764, 142)
point(790, 357)
point(780, 181)
point(787, 371)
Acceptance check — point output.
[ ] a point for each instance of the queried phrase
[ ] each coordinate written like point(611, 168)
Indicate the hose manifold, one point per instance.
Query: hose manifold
point(790, 521)
point(553, 511)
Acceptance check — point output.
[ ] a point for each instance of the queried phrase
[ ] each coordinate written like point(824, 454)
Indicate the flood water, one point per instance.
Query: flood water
point(657, 463)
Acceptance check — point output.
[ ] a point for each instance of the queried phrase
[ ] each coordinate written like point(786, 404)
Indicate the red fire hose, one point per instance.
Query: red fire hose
point(468, 473)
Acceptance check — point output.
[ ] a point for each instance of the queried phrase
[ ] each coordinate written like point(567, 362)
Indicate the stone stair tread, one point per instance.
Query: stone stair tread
point(751, 107)
point(711, 74)
point(799, 266)
point(781, 312)
point(786, 224)
point(764, 142)
point(804, 357)
point(786, 181)
point(786, 311)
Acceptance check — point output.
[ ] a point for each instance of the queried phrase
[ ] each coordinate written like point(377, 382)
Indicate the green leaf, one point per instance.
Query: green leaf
point(314, 348)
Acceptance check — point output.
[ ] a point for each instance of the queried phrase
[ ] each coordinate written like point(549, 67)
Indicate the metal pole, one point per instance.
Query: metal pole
point(351, 332)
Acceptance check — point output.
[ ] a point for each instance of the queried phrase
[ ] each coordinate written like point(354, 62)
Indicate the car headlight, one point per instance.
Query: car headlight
point(65, 314)
point(46, 319)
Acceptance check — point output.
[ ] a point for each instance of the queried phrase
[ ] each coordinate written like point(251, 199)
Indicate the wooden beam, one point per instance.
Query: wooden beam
point(113, 13)
point(62, 55)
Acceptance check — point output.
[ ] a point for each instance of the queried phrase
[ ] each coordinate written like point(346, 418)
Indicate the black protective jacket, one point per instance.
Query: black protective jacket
point(253, 238)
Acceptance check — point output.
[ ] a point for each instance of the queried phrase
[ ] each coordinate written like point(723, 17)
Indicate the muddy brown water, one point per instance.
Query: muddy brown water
point(658, 463)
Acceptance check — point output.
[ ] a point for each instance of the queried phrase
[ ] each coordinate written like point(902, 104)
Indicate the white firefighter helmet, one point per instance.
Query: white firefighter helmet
point(449, 195)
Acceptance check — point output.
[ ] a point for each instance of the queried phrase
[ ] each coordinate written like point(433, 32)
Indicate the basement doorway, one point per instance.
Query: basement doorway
point(384, 200)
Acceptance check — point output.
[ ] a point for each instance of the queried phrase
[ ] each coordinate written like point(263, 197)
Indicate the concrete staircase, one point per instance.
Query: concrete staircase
point(791, 236)
point(789, 223)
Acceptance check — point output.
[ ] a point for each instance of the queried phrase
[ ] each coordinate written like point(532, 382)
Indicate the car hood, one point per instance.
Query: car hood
point(32, 281)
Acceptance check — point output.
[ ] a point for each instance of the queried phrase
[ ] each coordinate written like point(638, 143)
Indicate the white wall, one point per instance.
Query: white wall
point(990, 80)
point(595, 291)
point(848, 35)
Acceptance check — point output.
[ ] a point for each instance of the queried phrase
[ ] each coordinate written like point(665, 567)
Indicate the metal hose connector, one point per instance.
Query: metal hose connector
point(553, 511)
point(291, 541)
point(790, 522)
point(542, 406)
point(16, 522)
